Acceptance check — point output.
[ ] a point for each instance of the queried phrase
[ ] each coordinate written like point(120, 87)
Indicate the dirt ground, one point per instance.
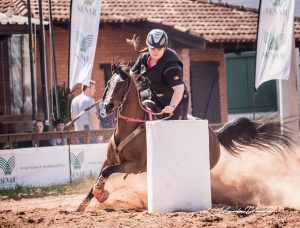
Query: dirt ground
point(59, 211)
point(253, 190)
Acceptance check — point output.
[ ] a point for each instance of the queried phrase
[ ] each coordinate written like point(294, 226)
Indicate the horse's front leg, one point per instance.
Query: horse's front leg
point(126, 167)
point(98, 188)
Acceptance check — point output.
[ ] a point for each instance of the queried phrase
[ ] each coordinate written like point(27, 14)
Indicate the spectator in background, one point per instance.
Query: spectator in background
point(39, 128)
point(89, 120)
point(59, 126)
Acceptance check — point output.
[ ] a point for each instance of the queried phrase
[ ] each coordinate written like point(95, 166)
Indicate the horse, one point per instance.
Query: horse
point(126, 151)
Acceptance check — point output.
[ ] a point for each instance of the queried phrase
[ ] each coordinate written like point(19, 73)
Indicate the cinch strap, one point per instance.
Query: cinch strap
point(124, 142)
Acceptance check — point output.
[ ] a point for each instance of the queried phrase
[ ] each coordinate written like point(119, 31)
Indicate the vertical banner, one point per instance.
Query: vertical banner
point(85, 19)
point(275, 40)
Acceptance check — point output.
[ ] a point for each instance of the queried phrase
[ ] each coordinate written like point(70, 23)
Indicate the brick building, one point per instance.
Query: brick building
point(200, 32)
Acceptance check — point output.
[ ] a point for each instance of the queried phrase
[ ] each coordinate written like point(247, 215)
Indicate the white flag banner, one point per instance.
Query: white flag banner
point(275, 40)
point(85, 19)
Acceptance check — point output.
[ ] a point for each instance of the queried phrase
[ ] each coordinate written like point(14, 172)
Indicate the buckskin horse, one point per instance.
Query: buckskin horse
point(126, 151)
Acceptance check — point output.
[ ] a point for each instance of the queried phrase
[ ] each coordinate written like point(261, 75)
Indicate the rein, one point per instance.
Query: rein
point(129, 119)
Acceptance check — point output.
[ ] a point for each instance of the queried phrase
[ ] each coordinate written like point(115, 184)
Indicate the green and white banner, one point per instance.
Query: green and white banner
point(44, 166)
point(85, 20)
point(275, 40)
point(7, 170)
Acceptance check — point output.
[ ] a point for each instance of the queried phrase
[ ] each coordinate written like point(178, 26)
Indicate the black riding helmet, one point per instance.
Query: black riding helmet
point(157, 38)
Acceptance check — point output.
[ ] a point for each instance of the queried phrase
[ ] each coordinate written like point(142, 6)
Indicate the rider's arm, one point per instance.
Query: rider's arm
point(176, 98)
point(173, 77)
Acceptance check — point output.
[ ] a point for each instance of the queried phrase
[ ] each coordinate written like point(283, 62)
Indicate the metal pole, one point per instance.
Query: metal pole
point(43, 66)
point(31, 62)
point(70, 163)
point(254, 90)
point(58, 115)
point(69, 90)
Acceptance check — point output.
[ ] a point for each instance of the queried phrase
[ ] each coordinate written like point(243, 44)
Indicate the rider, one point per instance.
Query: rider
point(163, 69)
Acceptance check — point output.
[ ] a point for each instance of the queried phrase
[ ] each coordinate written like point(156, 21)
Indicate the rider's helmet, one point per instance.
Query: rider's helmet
point(157, 38)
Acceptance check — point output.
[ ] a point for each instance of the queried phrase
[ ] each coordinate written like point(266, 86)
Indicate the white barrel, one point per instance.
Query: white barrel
point(178, 171)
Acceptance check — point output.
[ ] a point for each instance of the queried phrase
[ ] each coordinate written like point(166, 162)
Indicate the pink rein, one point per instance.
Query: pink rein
point(129, 119)
point(150, 114)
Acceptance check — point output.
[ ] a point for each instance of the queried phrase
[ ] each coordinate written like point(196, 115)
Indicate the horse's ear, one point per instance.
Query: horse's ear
point(113, 66)
point(128, 65)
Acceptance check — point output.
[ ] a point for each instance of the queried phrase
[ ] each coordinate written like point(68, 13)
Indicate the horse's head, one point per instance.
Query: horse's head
point(117, 87)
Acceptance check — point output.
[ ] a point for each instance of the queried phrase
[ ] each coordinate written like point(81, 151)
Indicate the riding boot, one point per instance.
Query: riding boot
point(98, 190)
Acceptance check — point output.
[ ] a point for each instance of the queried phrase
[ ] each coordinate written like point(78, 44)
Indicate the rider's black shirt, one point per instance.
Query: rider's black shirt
point(165, 74)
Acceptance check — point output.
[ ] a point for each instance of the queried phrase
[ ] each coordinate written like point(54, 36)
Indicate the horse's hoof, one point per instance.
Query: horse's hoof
point(100, 195)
